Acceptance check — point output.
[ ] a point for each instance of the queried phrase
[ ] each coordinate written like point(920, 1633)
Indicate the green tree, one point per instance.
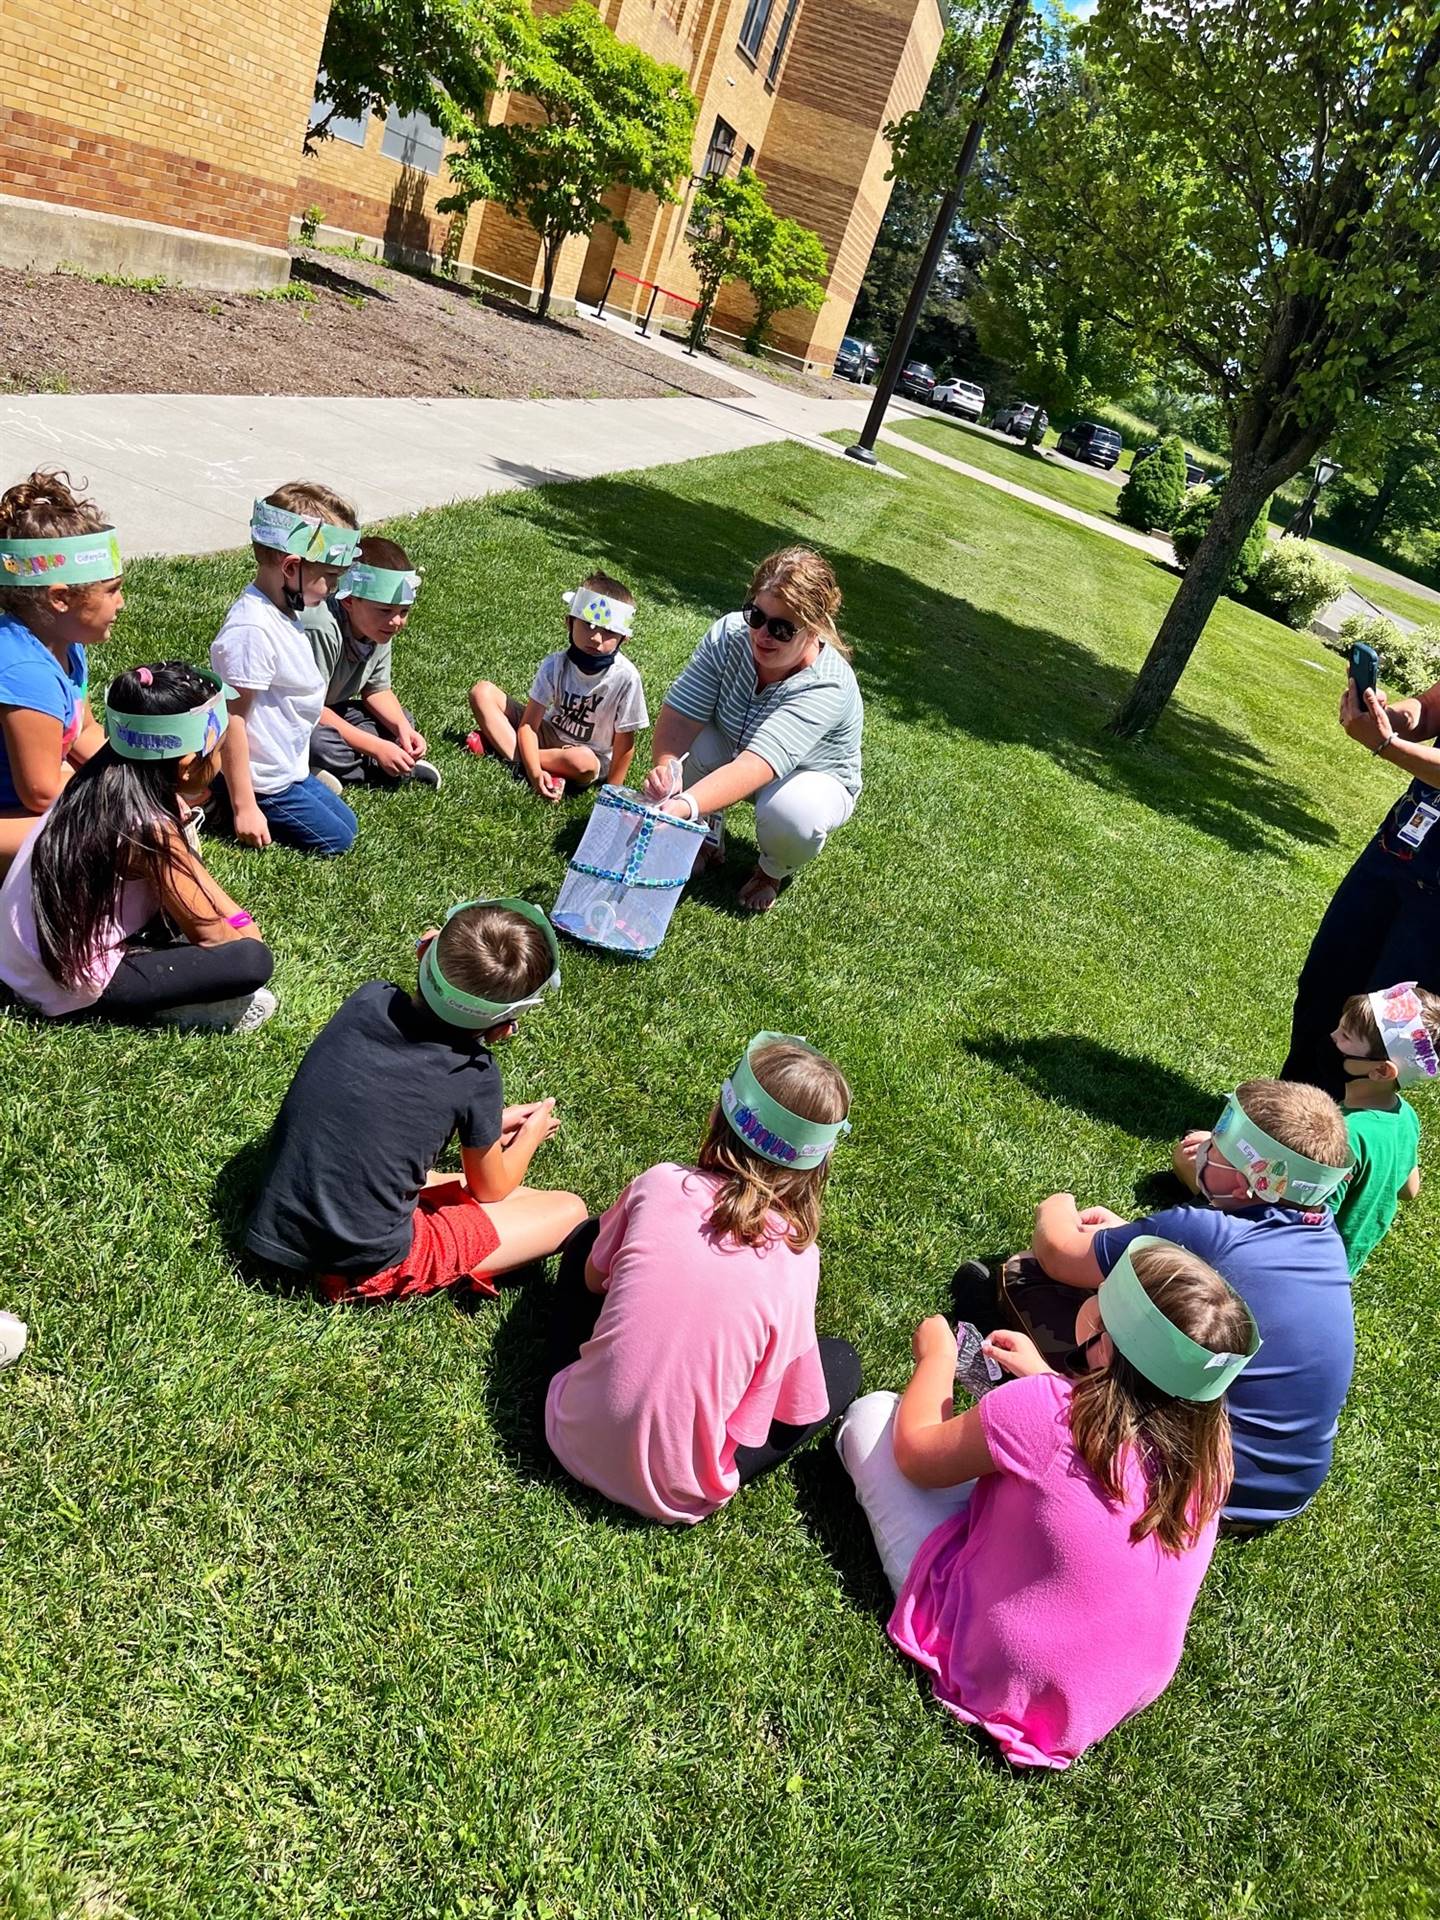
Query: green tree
point(1391, 457)
point(1192, 529)
point(600, 114)
point(788, 272)
point(441, 58)
point(1253, 190)
point(726, 219)
point(1155, 491)
point(1063, 351)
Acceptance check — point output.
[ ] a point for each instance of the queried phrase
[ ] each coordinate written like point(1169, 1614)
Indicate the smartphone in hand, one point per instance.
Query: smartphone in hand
point(1364, 669)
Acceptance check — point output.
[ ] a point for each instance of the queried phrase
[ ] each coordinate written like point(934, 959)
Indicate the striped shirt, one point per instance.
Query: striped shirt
point(807, 723)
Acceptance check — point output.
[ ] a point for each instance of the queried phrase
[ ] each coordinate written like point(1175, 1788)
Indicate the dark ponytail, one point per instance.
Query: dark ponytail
point(117, 821)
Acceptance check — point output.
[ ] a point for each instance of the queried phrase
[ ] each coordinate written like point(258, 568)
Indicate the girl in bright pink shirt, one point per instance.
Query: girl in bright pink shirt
point(683, 1347)
point(1047, 1545)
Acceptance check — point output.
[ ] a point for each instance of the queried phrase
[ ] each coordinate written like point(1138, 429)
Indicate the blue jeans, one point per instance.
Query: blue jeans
point(308, 816)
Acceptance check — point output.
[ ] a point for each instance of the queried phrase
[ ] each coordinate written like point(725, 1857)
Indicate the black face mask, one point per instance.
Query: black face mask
point(589, 662)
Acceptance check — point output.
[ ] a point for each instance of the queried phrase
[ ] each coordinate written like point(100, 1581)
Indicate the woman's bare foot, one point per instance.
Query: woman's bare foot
point(760, 891)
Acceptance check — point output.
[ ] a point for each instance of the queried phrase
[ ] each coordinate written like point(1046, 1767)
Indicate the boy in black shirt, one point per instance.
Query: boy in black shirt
point(349, 1194)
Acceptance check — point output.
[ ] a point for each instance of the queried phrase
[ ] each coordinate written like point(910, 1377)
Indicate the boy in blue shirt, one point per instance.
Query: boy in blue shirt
point(1268, 1171)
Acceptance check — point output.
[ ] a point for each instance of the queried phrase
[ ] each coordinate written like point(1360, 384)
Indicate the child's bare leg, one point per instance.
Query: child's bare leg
point(578, 765)
point(496, 715)
point(531, 1223)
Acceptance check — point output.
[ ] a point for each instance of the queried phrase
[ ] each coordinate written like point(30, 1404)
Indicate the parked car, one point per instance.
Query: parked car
point(917, 380)
point(1087, 440)
point(1194, 476)
point(1016, 419)
point(856, 359)
point(960, 396)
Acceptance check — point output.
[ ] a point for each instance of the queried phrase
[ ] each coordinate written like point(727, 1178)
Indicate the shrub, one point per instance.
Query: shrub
point(1193, 523)
point(1155, 491)
point(1409, 662)
point(1295, 579)
point(310, 225)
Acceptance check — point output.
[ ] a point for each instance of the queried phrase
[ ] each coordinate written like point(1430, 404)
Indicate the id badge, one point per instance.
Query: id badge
point(1421, 820)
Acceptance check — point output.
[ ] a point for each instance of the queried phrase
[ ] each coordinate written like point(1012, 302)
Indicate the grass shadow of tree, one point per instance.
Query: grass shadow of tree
point(930, 657)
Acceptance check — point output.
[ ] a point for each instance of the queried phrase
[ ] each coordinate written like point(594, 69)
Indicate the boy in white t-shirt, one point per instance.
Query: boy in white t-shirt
point(304, 538)
point(585, 708)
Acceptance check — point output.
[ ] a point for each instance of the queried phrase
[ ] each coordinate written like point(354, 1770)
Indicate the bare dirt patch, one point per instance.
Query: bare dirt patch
point(368, 329)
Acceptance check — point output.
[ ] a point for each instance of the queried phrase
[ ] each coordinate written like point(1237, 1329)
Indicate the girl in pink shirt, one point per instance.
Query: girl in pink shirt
point(1046, 1546)
point(683, 1348)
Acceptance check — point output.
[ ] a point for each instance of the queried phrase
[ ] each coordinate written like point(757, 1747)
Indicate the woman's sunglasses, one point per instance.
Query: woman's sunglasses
point(781, 630)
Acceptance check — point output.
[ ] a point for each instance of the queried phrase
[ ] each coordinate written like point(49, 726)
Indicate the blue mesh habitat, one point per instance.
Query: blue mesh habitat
point(627, 875)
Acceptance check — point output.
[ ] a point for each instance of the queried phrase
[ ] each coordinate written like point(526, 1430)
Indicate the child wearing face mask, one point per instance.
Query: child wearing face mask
point(304, 538)
point(107, 909)
point(365, 736)
point(586, 705)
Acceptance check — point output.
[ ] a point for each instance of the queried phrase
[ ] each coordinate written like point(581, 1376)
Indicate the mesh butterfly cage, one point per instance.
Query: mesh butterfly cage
point(627, 875)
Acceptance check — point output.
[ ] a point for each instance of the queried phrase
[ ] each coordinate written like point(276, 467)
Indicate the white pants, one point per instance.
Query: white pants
point(901, 1515)
point(793, 817)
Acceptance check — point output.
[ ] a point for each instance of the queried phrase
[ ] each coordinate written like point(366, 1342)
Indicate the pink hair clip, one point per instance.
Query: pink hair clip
point(144, 676)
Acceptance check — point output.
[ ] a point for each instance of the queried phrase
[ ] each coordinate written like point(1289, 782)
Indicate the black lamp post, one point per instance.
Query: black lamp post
point(864, 448)
point(1300, 525)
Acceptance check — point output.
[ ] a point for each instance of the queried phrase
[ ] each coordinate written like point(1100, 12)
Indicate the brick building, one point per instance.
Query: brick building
point(144, 137)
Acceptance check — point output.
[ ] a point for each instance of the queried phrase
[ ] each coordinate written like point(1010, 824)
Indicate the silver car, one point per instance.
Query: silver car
point(960, 396)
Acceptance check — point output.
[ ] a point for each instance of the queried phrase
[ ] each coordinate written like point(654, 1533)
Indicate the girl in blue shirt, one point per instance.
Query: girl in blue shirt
point(54, 602)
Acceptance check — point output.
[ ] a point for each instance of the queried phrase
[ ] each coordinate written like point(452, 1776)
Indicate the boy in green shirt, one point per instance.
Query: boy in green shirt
point(1388, 1040)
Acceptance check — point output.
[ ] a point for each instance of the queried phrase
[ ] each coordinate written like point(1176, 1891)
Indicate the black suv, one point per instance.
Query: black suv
point(1087, 440)
point(856, 359)
point(917, 380)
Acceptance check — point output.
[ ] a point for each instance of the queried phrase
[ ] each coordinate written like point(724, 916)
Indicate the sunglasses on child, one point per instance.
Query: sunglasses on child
point(781, 630)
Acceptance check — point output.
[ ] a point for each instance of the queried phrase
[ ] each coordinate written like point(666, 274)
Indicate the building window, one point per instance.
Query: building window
point(413, 140)
point(749, 158)
point(792, 7)
point(722, 148)
point(339, 128)
point(752, 32)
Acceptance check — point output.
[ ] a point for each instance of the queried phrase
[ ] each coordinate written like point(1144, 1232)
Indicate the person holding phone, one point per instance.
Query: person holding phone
point(767, 710)
point(1383, 923)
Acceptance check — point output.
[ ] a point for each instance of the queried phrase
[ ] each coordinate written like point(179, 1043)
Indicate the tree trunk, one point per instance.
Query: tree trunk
point(700, 325)
point(550, 254)
point(1381, 505)
point(1033, 437)
point(1201, 586)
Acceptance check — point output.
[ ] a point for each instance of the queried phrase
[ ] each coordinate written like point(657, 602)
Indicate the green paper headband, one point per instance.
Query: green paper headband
point(1154, 1345)
point(1273, 1172)
point(73, 560)
point(766, 1127)
point(471, 1010)
point(390, 588)
point(165, 736)
point(307, 537)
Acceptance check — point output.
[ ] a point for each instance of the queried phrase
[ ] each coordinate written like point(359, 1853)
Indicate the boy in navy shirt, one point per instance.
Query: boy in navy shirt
point(1276, 1157)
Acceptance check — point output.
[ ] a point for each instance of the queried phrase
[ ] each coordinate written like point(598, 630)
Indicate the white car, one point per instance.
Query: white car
point(960, 396)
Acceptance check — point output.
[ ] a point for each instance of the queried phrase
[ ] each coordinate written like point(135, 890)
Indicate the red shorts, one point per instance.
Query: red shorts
point(451, 1235)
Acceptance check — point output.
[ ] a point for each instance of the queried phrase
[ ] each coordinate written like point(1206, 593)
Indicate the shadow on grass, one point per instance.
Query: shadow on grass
point(832, 1517)
point(1111, 1087)
point(931, 658)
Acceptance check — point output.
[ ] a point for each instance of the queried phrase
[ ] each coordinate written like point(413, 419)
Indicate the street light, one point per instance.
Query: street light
point(864, 448)
point(1299, 527)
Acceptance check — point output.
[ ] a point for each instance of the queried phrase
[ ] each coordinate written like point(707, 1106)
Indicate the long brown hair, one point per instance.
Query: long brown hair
point(754, 1188)
point(43, 507)
point(805, 581)
point(1183, 1445)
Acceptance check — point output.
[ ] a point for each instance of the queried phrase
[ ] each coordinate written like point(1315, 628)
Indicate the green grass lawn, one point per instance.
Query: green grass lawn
point(1009, 460)
point(295, 1619)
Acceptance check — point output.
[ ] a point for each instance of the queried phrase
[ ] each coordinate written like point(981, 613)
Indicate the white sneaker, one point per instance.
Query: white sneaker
point(13, 1335)
point(243, 1014)
point(329, 782)
point(425, 774)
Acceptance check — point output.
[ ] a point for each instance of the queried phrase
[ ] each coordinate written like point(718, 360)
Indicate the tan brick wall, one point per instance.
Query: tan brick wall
point(186, 112)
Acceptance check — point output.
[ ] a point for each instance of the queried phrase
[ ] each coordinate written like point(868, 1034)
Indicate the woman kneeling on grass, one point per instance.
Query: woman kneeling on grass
point(1046, 1546)
point(107, 908)
point(683, 1344)
point(767, 710)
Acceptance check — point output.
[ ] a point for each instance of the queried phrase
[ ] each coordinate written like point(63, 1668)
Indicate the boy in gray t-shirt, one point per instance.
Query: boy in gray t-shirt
point(586, 705)
point(365, 735)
